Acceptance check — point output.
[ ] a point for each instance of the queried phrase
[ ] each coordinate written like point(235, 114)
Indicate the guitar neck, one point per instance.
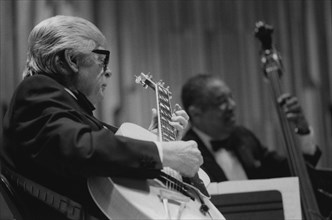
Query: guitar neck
point(164, 109)
point(166, 131)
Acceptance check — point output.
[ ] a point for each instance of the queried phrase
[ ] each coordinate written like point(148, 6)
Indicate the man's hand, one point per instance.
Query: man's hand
point(154, 122)
point(182, 156)
point(179, 121)
point(294, 112)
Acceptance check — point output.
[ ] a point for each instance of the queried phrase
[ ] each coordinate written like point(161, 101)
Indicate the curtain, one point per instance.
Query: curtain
point(174, 40)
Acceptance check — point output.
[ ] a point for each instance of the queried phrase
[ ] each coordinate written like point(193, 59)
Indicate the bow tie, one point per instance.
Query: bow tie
point(219, 144)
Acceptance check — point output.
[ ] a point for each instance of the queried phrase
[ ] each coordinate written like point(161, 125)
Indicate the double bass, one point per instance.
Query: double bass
point(316, 200)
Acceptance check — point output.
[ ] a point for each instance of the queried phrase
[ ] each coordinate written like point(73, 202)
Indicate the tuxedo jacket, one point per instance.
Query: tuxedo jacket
point(53, 139)
point(258, 162)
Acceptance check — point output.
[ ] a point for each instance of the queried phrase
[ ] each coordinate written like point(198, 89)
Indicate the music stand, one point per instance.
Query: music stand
point(255, 199)
point(250, 205)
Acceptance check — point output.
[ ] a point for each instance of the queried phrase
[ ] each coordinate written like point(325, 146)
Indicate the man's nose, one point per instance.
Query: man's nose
point(108, 73)
point(231, 104)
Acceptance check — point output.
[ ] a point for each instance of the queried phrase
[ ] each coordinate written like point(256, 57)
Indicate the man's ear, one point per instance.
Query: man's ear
point(72, 63)
point(194, 112)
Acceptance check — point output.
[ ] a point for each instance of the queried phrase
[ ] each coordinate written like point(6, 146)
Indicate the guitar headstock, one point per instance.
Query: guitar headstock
point(146, 81)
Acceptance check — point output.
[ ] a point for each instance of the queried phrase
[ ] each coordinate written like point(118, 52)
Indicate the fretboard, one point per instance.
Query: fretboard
point(166, 131)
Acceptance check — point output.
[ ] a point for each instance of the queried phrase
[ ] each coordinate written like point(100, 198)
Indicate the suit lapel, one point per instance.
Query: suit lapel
point(246, 158)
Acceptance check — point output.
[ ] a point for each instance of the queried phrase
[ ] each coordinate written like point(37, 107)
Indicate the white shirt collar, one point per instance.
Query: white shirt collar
point(70, 92)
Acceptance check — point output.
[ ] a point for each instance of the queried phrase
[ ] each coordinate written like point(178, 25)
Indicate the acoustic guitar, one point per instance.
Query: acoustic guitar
point(165, 197)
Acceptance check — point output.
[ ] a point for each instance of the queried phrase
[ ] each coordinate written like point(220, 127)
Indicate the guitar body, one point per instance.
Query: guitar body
point(125, 198)
point(120, 198)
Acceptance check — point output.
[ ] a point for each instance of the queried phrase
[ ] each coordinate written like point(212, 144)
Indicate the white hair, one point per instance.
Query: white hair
point(52, 36)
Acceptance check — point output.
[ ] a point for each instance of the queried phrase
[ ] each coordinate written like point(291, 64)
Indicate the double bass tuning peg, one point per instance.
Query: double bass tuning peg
point(263, 32)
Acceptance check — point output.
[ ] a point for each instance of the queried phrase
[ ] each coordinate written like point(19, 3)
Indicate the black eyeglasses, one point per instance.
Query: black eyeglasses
point(107, 56)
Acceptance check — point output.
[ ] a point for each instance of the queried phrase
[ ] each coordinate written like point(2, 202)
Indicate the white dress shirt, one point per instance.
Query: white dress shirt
point(227, 160)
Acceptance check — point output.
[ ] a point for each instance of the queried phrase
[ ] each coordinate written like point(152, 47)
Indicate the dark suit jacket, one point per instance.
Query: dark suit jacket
point(54, 139)
point(257, 161)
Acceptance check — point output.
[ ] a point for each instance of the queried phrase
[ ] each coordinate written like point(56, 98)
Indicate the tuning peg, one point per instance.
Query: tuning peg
point(169, 95)
point(138, 79)
point(263, 59)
